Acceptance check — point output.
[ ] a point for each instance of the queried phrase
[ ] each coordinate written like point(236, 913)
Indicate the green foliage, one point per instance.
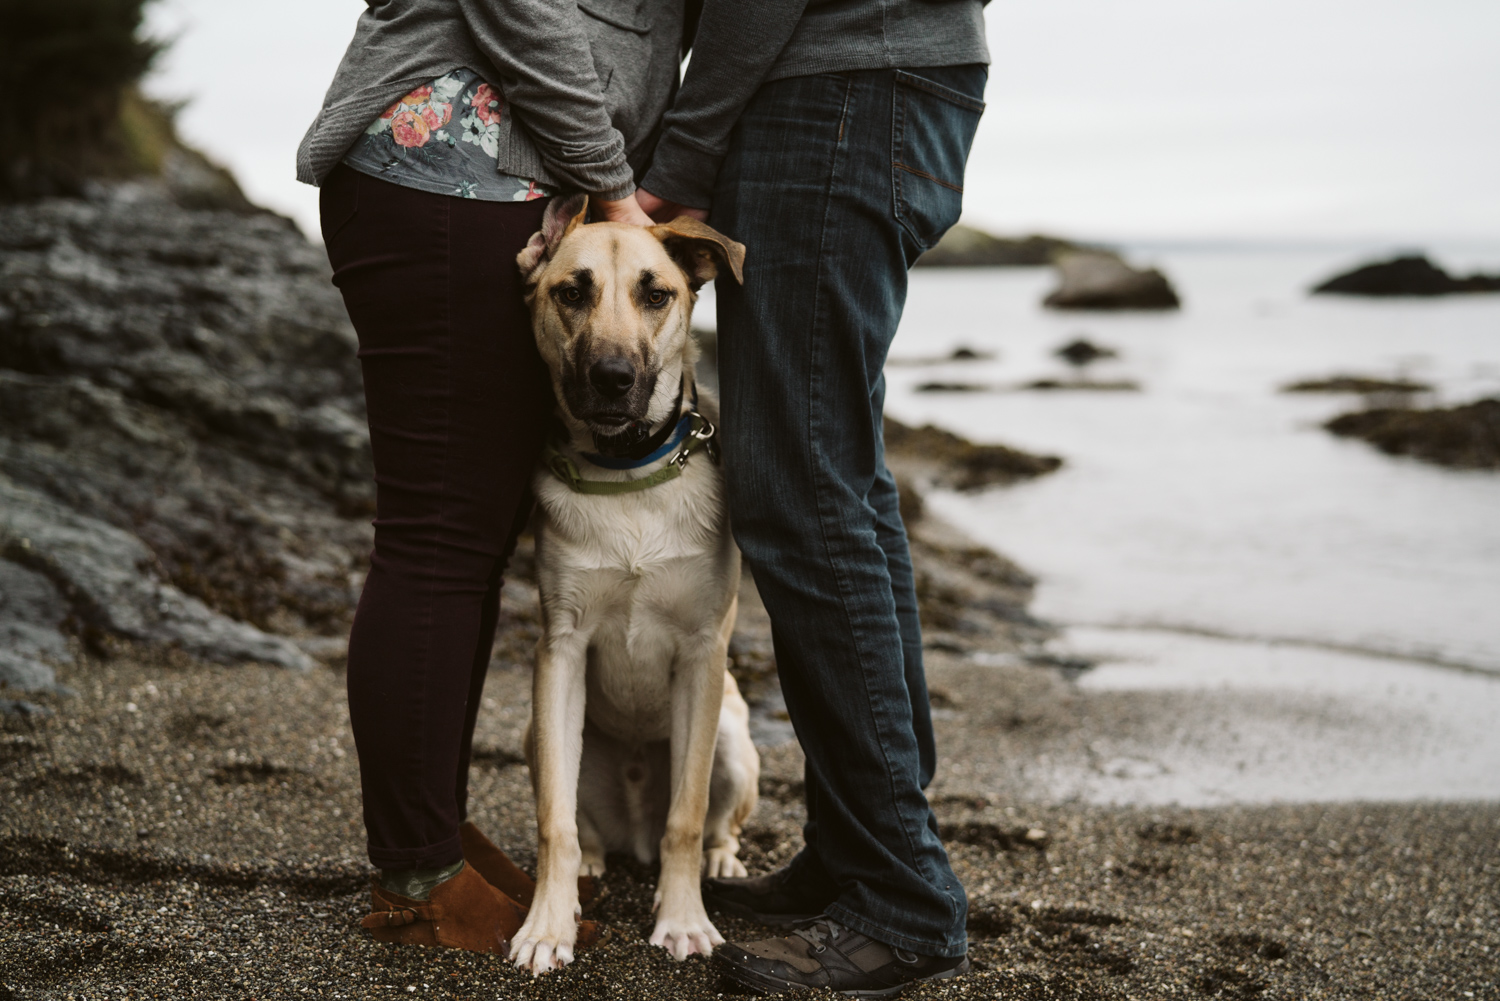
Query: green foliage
point(74, 61)
point(65, 51)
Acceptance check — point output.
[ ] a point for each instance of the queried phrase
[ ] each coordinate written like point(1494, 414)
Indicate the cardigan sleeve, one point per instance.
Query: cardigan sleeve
point(541, 51)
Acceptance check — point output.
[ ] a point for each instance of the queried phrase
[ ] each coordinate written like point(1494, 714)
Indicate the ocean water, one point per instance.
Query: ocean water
point(1208, 501)
point(1206, 534)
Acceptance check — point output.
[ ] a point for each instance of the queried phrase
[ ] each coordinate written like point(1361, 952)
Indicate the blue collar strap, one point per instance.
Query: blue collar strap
point(684, 426)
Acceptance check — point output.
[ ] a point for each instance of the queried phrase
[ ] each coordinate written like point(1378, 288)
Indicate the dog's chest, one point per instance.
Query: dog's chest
point(633, 536)
point(641, 622)
point(646, 581)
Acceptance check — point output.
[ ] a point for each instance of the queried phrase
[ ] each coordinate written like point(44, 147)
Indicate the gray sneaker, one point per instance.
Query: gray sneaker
point(824, 954)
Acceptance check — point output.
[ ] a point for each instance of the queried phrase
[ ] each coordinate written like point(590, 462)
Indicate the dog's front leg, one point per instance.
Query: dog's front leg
point(546, 939)
point(682, 925)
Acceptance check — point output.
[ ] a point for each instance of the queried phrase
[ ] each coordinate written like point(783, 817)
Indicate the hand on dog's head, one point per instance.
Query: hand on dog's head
point(698, 249)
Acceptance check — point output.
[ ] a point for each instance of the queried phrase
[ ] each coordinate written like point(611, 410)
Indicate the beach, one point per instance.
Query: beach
point(180, 830)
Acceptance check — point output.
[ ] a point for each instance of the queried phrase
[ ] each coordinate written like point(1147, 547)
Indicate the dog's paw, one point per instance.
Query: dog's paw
point(719, 863)
point(592, 865)
point(685, 929)
point(545, 942)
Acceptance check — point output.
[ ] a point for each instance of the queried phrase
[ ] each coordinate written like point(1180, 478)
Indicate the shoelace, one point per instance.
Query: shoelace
point(818, 932)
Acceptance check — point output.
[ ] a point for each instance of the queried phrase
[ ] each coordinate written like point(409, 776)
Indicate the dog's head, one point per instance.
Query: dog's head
point(611, 305)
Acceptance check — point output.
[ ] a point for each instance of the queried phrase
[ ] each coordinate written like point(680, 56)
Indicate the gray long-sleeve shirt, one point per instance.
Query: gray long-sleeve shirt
point(585, 85)
point(741, 44)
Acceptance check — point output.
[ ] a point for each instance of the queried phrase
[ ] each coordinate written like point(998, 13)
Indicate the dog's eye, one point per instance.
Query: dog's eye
point(571, 294)
point(656, 297)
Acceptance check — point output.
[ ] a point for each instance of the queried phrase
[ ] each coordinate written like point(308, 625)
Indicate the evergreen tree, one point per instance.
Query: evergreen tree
point(69, 70)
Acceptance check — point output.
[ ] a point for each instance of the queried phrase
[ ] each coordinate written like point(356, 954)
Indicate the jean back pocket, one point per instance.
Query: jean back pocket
point(932, 130)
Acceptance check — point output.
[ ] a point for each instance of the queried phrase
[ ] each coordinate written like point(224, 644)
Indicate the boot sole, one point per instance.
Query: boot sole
point(762, 983)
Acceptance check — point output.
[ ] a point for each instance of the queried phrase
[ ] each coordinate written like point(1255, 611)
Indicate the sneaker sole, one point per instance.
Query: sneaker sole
point(762, 983)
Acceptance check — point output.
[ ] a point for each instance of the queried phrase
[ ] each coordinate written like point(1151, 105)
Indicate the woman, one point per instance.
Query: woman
point(448, 124)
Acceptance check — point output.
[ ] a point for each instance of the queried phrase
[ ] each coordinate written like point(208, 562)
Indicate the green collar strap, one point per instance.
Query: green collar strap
point(700, 437)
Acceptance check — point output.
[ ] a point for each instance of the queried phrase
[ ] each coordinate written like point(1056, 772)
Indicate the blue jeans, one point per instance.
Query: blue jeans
point(835, 184)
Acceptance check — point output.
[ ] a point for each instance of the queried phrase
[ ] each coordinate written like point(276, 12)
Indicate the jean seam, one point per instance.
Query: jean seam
point(899, 119)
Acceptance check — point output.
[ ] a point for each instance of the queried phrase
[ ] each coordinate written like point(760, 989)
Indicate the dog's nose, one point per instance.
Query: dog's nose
point(612, 377)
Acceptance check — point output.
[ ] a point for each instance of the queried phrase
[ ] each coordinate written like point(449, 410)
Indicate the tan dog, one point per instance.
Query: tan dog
point(639, 740)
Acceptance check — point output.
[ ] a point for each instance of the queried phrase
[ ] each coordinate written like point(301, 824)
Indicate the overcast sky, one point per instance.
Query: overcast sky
point(1321, 120)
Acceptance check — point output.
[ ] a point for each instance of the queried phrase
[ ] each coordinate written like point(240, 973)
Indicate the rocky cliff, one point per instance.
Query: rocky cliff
point(183, 458)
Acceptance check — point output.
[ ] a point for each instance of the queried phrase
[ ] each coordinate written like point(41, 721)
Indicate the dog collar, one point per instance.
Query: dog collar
point(684, 425)
point(694, 432)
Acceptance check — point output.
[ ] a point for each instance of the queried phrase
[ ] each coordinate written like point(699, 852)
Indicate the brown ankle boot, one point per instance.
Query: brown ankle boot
point(494, 865)
point(464, 912)
point(504, 875)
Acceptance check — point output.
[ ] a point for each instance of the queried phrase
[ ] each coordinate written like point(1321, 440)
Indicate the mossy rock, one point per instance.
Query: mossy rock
point(1465, 437)
point(960, 463)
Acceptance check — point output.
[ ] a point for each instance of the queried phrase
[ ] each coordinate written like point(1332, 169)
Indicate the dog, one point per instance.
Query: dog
point(639, 739)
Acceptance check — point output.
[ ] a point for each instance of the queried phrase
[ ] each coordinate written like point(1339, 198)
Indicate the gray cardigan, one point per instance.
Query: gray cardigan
point(585, 82)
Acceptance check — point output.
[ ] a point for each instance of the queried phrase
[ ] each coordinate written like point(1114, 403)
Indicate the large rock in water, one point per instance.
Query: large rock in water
point(1412, 275)
point(1102, 281)
point(183, 454)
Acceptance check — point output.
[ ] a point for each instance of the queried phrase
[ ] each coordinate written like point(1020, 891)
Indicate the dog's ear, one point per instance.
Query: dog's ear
point(563, 215)
point(700, 250)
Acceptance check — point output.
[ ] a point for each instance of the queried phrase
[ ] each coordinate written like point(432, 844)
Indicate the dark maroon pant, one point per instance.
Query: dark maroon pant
point(459, 402)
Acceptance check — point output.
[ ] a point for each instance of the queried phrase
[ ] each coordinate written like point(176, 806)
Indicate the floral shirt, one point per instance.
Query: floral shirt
point(443, 138)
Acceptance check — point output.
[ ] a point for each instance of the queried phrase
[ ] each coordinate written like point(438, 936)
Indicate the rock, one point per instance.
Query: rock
point(182, 436)
point(108, 578)
point(1411, 275)
point(1363, 385)
point(952, 387)
point(1098, 280)
point(913, 507)
point(20, 707)
point(1082, 351)
point(31, 618)
point(967, 247)
point(945, 459)
point(1094, 385)
point(1465, 437)
point(958, 354)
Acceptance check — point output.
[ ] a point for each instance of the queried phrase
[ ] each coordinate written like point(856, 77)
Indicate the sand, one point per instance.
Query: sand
point(179, 830)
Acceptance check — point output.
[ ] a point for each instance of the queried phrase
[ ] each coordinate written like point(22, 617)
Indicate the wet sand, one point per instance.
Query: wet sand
point(179, 830)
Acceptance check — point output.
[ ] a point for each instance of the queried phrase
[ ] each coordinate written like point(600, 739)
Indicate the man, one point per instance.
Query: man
point(830, 139)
